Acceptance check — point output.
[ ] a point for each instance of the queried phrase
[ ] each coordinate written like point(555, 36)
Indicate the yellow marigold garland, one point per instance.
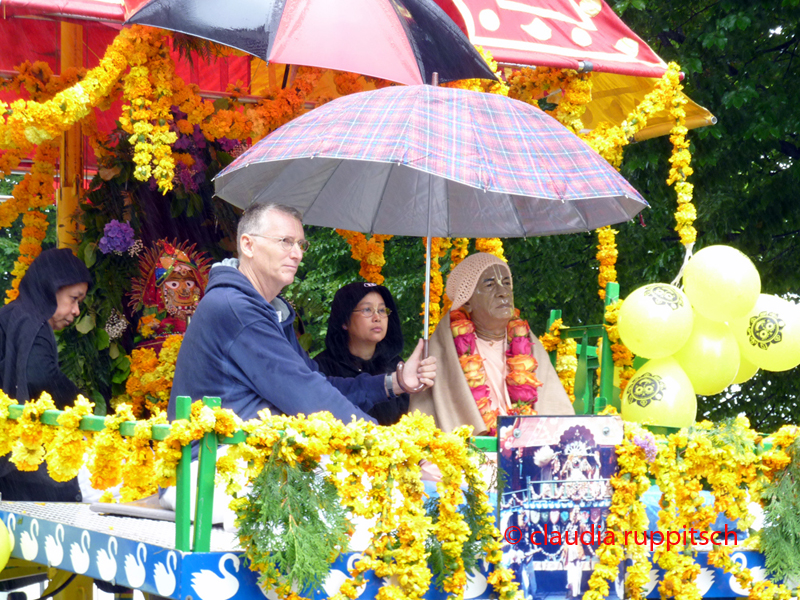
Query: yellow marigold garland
point(680, 161)
point(483, 85)
point(28, 451)
point(64, 454)
point(492, 246)
point(566, 356)
point(623, 358)
point(607, 257)
point(439, 247)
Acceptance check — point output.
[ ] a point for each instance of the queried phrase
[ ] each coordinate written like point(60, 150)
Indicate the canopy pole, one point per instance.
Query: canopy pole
point(428, 259)
point(71, 155)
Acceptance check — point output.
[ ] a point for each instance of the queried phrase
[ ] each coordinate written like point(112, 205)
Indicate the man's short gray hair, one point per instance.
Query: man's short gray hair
point(255, 219)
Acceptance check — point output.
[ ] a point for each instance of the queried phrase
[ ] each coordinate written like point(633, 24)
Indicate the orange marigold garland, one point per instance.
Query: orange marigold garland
point(150, 382)
point(521, 380)
point(369, 252)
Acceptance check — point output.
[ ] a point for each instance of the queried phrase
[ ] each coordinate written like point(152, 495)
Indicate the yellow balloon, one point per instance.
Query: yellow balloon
point(769, 335)
point(660, 393)
point(721, 282)
point(655, 320)
point(6, 544)
point(710, 357)
point(746, 370)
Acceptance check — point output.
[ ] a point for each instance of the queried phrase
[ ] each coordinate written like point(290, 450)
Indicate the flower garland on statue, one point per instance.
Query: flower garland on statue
point(623, 358)
point(521, 380)
point(369, 252)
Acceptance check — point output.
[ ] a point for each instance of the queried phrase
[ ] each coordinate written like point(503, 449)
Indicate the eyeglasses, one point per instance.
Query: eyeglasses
point(368, 312)
point(286, 243)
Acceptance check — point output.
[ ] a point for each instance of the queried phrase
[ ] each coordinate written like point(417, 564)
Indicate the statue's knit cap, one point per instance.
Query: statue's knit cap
point(464, 278)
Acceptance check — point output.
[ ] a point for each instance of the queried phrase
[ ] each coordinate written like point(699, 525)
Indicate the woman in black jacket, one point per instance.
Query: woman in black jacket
point(49, 300)
point(364, 336)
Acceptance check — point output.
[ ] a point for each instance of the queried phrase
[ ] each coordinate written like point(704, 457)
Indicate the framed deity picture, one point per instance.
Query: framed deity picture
point(554, 498)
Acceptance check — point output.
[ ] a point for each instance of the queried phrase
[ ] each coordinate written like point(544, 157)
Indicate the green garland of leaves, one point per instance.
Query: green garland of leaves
point(293, 525)
point(780, 537)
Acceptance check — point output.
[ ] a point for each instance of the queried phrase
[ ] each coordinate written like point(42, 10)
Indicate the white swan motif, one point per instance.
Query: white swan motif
point(80, 554)
point(759, 574)
point(134, 566)
point(476, 585)
point(107, 562)
point(164, 574)
point(11, 524)
point(336, 578)
point(53, 548)
point(28, 542)
point(210, 586)
point(651, 583)
point(704, 580)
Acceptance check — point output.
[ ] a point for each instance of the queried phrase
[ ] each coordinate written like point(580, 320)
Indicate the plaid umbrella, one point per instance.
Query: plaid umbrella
point(431, 161)
point(425, 160)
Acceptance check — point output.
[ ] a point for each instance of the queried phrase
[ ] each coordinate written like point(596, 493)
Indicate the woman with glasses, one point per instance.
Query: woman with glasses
point(364, 336)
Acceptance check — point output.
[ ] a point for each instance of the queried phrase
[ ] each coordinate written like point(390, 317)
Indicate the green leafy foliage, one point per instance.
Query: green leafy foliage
point(293, 524)
point(780, 538)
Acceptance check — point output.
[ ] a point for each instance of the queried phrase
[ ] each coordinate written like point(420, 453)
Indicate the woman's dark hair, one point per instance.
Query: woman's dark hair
point(344, 303)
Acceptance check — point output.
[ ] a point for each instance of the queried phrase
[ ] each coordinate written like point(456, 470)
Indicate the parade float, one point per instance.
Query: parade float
point(148, 227)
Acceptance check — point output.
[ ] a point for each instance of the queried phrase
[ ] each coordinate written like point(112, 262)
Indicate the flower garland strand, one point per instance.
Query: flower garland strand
point(369, 252)
point(680, 162)
point(623, 358)
point(521, 380)
point(493, 246)
point(439, 247)
point(607, 257)
point(566, 356)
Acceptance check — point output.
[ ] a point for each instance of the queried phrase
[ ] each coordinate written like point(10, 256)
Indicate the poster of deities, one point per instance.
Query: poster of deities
point(554, 500)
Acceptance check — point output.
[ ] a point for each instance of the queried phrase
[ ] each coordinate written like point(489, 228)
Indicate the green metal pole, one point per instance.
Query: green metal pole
point(205, 486)
point(183, 512)
point(607, 358)
point(555, 315)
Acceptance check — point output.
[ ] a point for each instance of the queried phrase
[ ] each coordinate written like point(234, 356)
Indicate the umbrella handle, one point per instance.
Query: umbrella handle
point(399, 372)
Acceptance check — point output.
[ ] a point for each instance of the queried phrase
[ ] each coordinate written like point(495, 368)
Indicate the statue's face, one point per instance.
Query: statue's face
point(493, 298)
point(181, 291)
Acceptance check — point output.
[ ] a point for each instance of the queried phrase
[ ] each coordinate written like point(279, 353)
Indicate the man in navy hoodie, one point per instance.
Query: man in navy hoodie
point(241, 344)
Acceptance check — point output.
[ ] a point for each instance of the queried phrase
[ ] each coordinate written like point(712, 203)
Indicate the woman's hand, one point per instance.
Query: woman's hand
point(417, 371)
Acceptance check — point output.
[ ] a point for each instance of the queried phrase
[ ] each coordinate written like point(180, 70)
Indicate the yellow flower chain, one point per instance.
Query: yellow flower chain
point(607, 257)
point(492, 246)
point(482, 85)
point(368, 251)
point(680, 161)
point(623, 358)
point(28, 451)
point(566, 356)
point(439, 248)
point(64, 454)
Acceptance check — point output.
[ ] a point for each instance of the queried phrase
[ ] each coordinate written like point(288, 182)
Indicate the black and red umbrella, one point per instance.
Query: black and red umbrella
point(399, 40)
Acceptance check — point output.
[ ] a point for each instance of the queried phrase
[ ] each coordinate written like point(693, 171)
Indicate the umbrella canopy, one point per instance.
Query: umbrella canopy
point(399, 40)
point(425, 160)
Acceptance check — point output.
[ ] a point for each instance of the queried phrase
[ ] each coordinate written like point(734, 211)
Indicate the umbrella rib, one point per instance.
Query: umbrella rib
point(380, 201)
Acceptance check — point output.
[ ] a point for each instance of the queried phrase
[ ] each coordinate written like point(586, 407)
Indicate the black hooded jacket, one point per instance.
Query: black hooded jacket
point(29, 359)
point(29, 363)
point(337, 361)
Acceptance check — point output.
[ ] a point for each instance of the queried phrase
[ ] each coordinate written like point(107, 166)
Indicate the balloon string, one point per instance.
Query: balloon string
point(686, 257)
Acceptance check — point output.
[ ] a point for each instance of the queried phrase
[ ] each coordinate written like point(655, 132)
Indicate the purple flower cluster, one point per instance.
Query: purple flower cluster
point(647, 443)
point(117, 237)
